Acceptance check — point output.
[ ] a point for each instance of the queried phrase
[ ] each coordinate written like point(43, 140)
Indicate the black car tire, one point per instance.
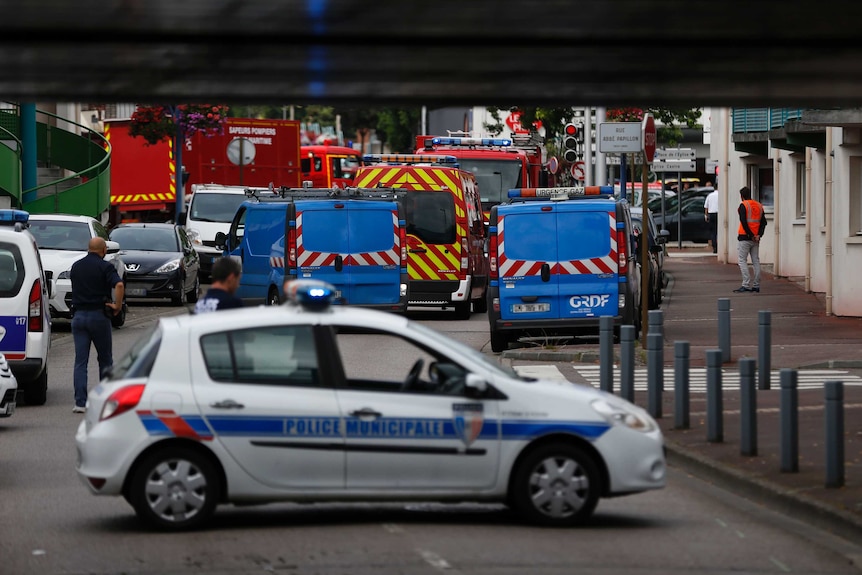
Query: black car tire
point(180, 298)
point(272, 298)
point(36, 390)
point(192, 296)
point(462, 310)
point(499, 341)
point(556, 485)
point(195, 483)
point(481, 305)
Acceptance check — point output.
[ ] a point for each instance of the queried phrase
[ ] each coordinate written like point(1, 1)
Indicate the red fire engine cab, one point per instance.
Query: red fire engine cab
point(499, 164)
point(326, 166)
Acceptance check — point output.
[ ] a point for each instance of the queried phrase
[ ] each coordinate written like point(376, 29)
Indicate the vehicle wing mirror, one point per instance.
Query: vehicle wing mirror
point(221, 240)
point(475, 385)
point(112, 247)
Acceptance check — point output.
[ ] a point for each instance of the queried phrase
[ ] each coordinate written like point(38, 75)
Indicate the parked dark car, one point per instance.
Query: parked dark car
point(657, 240)
point(160, 262)
point(694, 227)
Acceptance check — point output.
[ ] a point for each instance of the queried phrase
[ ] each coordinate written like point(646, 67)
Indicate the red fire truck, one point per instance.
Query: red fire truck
point(328, 165)
point(499, 164)
point(251, 153)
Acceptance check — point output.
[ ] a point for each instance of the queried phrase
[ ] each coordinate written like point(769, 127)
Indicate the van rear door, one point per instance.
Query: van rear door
point(587, 263)
point(354, 245)
point(526, 262)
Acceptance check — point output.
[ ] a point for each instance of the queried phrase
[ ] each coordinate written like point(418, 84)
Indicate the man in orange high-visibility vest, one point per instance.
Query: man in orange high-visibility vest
point(752, 222)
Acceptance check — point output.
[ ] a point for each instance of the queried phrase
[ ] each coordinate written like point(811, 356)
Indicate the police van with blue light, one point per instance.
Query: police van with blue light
point(25, 323)
point(317, 402)
point(353, 238)
point(561, 258)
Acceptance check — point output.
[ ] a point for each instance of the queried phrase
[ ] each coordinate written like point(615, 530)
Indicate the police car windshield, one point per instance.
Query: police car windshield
point(139, 360)
point(58, 235)
point(212, 207)
point(469, 351)
point(494, 177)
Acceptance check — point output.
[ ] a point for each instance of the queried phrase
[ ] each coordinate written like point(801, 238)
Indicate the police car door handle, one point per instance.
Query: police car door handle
point(366, 412)
point(546, 273)
point(227, 404)
point(339, 263)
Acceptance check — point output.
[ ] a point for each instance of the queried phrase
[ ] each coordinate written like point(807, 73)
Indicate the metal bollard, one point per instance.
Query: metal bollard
point(681, 363)
point(714, 400)
point(627, 362)
point(656, 321)
point(788, 439)
point(656, 325)
point(724, 328)
point(747, 407)
point(655, 373)
point(764, 348)
point(606, 353)
point(834, 433)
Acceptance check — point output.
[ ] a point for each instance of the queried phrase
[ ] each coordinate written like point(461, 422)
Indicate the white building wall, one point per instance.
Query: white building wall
point(790, 247)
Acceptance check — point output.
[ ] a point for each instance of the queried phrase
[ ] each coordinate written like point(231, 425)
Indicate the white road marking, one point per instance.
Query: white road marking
point(434, 560)
point(720, 522)
point(392, 528)
point(780, 565)
point(539, 371)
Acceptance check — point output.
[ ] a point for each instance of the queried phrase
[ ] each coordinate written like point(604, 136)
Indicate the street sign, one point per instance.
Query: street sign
point(648, 137)
point(579, 171)
point(620, 137)
point(674, 166)
point(553, 165)
point(712, 167)
point(675, 154)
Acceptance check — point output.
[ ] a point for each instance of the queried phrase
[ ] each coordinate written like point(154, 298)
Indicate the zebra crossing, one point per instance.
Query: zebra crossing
point(807, 378)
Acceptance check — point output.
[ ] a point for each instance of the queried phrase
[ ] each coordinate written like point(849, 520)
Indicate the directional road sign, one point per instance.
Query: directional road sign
point(674, 166)
point(675, 154)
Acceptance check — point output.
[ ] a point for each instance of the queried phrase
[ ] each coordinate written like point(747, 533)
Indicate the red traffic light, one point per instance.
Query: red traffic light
point(571, 129)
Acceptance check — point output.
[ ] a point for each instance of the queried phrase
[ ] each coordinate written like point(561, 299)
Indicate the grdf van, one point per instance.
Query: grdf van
point(561, 258)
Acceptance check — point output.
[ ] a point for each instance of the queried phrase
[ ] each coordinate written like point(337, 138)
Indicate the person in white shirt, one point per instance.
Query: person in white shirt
point(710, 214)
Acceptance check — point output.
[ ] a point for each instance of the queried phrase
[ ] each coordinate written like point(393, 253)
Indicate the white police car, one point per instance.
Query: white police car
point(309, 402)
point(25, 325)
point(8, 388)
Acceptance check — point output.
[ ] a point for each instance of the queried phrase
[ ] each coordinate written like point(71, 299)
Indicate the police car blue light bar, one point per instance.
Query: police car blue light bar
point(310, 294)
point(571, 192)
point(408, 159)
point(471, 141)
point(14, 217)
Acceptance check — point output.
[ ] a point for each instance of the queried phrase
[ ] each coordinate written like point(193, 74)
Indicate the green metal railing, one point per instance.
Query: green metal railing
point(88, 190)
point(10, 161)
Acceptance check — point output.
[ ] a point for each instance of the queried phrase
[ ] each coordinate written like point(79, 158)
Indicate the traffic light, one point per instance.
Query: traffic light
point(570, 143)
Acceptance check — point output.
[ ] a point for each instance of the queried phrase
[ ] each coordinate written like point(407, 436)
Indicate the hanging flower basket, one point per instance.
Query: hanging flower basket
point(159, 123)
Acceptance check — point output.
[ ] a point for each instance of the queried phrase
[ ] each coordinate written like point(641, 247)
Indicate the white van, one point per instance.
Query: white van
point(210, 210)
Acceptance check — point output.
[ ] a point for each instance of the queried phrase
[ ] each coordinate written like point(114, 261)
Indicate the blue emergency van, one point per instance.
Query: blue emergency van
point(354, 239)
point(560, 259)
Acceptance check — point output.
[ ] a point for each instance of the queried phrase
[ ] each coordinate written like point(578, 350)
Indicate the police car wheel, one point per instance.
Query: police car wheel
point(175, 489)
point(36, 391)
point(556, 485)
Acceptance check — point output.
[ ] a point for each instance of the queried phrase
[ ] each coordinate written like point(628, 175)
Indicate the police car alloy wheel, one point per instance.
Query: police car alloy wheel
point(37, 392)
point(175, 489)
point(556, 485)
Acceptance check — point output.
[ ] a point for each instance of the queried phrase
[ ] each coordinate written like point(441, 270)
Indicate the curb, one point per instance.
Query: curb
point(785, 501)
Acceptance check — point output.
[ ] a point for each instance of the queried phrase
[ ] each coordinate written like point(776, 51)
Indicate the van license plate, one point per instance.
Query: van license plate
point(530, 307)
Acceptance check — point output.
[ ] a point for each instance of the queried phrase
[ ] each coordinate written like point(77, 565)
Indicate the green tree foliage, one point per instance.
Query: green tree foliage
point(398, 127)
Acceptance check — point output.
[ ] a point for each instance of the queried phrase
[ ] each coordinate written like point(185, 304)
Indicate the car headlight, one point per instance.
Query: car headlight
point(623, 413)
point(63, 275)
point(169, 267)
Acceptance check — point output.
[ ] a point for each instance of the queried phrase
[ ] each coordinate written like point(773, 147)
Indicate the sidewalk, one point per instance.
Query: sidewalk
point(803, 337)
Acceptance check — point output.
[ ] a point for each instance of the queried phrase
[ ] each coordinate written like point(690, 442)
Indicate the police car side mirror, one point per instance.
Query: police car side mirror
point(475, 385)
point(221, 240)
point(663, 236)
